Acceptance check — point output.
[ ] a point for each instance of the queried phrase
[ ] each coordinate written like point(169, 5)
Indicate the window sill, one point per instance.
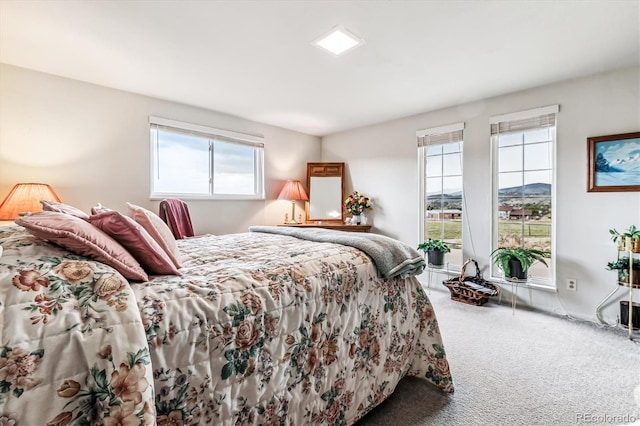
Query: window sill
point(191, 197)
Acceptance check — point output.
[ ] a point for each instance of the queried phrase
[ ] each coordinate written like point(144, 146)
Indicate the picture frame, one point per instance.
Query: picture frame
point(611, 161)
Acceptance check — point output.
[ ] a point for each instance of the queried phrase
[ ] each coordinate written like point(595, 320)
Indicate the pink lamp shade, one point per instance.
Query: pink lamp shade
point(25, 197)
point(293, 191)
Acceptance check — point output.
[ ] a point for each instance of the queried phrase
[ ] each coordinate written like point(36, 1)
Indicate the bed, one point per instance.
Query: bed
point(259, 328)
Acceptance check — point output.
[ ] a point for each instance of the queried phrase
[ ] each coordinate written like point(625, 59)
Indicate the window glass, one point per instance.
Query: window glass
point(182, 164)
point(537, 156)
point(234, 168)
point(434, 166)
point(443, 197)
point(204, 166)
point(523, 202)
point(510, 158)
point(452, 164)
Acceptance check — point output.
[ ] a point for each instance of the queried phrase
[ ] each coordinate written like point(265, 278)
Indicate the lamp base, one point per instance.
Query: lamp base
point(293, 221)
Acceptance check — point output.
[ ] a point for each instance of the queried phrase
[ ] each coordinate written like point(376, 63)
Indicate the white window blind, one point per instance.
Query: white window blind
point(440, 135)
point(205, 130)
point(537, 118)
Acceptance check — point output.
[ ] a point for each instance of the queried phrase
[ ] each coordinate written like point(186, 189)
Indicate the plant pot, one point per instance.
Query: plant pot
point(623, 277)
point(628, 244)
point(636, 245)
point(516, 270)
point(435, 258)
point(624, 314)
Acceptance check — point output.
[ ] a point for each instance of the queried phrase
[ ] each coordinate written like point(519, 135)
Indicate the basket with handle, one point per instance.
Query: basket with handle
point(472, 289)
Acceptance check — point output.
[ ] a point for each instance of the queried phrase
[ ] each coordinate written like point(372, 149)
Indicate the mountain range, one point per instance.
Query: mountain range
point(529, 190)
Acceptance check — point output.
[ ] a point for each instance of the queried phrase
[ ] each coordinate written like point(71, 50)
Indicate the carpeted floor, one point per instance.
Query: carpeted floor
point(526, 368)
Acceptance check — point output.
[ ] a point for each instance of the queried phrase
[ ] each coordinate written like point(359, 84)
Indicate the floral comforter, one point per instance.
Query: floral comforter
point(259, 329)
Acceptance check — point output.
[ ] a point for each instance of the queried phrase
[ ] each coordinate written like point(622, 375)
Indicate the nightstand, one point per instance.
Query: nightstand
point(334, 226)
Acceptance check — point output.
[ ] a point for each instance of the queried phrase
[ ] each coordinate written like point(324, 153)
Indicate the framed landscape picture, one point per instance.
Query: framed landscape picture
point(614, 163)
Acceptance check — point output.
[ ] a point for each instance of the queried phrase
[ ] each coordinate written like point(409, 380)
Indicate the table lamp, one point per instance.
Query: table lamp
point(293, 191)
point(24, 198)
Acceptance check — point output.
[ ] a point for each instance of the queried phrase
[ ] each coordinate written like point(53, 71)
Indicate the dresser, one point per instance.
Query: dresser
point(334, 226)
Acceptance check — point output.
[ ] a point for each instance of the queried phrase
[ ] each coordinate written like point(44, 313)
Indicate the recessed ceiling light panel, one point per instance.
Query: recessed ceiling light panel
point(338, 41)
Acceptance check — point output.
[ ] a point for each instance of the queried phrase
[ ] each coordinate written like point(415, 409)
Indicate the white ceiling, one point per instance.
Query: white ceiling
point(254, 59)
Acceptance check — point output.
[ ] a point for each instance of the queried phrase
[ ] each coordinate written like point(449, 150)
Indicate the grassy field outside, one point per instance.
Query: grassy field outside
point(453, 228)
point(531, 229)
point(537, 235)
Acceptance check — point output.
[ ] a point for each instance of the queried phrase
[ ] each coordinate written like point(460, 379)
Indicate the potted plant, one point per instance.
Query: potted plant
point(515, 262)
point(622, 267)
point(628, 240)
point(435, 251)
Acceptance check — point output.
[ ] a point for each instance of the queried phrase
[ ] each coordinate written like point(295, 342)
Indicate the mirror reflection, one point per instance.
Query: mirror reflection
point(325, 182)
point(324, 203)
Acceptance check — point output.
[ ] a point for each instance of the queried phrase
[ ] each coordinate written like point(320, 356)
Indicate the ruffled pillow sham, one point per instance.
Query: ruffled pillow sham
point(82, 238)
point(99, 208)
point(133, 237)
point(52, 206)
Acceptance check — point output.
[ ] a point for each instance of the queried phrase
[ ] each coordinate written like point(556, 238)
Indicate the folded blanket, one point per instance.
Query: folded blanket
point(175, 213)
point(393, 258)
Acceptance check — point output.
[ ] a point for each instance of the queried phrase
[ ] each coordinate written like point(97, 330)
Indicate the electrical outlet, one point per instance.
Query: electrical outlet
point(572, 284)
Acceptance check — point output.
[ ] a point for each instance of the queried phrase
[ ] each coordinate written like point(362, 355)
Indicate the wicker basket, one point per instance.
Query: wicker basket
point(473, 290)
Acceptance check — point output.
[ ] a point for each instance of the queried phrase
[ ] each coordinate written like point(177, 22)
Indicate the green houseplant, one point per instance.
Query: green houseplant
point(627, 240)
point(435, 251)
point(515, 262)
point(622, 267)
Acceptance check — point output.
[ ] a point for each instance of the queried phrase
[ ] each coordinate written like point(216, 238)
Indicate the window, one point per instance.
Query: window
point(193, 161)
point(440, 155)
point(523, 156)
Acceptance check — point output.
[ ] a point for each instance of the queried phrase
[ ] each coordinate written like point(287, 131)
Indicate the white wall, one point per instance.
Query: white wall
point(382, 162)
point(91, 143)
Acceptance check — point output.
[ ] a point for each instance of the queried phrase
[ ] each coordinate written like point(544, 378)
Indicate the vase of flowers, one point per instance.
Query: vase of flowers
point(356, 203)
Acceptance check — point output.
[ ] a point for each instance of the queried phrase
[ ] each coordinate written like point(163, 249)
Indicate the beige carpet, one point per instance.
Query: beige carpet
point(526, 368)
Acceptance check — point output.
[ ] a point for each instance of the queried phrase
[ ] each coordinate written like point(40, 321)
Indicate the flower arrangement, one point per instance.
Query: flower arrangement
point(356, 203)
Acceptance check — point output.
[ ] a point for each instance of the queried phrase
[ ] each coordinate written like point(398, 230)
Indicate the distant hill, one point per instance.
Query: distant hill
point(531, 189)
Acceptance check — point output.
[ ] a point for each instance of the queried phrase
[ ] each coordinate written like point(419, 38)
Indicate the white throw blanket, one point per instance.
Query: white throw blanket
point(393, 258)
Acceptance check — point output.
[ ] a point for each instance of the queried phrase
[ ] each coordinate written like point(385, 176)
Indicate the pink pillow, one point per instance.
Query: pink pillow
point(80, 237)
point(158, 230)
point(136, 240)
point(99, 208)
point(52, 206)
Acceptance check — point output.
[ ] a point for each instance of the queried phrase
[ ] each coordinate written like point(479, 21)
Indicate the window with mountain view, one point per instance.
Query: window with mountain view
point(440, 151)
point(523, 178)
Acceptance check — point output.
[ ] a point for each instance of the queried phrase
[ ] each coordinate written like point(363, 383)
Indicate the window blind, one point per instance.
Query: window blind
point(175, 126)
point(440, 135)
point(525, 120)
point(547, 120)
point(206, 135)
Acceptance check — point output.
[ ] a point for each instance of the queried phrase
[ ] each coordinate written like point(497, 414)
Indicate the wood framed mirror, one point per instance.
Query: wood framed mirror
point(325, 182)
